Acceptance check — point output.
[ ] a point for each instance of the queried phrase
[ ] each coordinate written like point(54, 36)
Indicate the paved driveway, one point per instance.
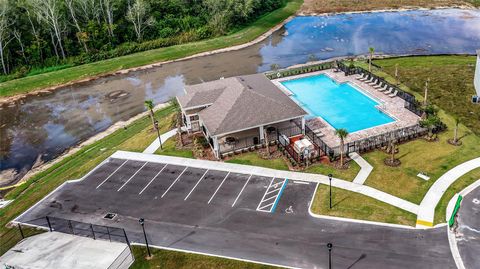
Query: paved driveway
point(236, 215)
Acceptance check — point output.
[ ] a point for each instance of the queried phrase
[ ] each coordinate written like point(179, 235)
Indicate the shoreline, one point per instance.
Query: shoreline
point(17, 97)
point(74, 149)
point(385, 10)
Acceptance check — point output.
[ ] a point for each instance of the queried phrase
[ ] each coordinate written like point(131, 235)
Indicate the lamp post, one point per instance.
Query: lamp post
point(329, 246)
point(142, 222)
point(330, 180)
point(158, 132)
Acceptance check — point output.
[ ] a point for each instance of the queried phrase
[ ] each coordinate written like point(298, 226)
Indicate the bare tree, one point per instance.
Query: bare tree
point(81, 35)
point(50, 13)
point(5, 37)
point(18, 36)
point(137, 15)
point(108, 8)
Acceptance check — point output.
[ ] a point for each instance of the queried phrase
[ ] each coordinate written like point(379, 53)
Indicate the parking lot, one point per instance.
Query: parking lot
point(235, 215)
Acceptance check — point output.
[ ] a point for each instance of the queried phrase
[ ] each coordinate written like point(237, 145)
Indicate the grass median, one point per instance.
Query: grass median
point(247, 34)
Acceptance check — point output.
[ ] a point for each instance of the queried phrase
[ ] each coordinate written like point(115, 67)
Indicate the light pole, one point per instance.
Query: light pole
point(142, 222)
point(329, 246)
point(158, 133)
point(330, 180)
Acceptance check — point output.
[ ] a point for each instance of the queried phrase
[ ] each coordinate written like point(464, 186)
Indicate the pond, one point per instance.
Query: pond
point(41, 127)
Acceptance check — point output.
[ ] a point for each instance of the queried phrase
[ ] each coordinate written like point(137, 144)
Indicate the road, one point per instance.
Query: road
point(236, 215)
point(467, 232)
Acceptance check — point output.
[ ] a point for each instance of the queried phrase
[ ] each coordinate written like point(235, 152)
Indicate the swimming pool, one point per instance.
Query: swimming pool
point(341, 105)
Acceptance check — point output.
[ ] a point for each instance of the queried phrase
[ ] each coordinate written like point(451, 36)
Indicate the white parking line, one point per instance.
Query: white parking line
point(219, 186)
point(260, 209)
point(265, 192)
point(238, 196)
point(146, 186)
point(128, 180)
point(268, 198)
point(274, 190)
point(174, 181)
point(111, 174)
point(196, 185)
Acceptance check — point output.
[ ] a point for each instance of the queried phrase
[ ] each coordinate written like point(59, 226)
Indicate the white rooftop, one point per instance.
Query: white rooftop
point(59, 250)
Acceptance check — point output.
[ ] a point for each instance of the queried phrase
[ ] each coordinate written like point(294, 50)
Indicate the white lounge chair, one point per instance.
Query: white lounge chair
point(370, 80)
point(389, 91)
point(364, 78)
point(378, 85)
point(361, 76)
point(374, 82)
point(393, 94)
point(383, 89)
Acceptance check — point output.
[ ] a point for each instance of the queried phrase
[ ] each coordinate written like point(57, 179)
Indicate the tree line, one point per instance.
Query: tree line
point(42, 35)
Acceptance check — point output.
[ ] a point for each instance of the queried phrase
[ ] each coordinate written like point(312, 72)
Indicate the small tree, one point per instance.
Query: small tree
point(149, 106)
point(372, 51)
point(274, 67)
point(342, 134)
point(176, 108)
point(455, 141)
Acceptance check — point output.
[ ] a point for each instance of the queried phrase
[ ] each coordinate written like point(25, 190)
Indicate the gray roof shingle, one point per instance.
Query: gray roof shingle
point(240, 103)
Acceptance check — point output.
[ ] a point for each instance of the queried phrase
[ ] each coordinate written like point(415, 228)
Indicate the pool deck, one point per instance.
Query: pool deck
point(394, 107)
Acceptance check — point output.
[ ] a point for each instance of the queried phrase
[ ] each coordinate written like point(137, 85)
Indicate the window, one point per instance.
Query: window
point(194, 118)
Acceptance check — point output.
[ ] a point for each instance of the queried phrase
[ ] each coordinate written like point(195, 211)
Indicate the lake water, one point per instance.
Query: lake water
point(41, 127)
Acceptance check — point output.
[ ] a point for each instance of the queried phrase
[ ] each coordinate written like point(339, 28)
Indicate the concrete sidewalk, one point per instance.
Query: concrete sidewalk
point(247, 169)
point(365, 168)
point(156, 144)
point(427, 207)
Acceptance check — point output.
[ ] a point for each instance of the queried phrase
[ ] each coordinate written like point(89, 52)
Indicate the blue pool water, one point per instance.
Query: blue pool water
point(341, 105)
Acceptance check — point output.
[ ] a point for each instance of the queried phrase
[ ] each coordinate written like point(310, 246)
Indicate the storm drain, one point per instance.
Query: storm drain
point(110, 216)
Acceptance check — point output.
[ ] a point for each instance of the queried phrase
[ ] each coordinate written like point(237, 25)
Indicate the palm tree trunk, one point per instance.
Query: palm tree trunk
point(341, 153)
point(455, 134)
point(152, 117)
point(179, 128)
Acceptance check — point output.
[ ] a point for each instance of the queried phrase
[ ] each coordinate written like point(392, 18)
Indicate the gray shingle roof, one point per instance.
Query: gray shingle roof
point(241, 103)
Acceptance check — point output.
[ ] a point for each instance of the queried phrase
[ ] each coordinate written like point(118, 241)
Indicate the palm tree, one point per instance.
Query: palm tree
point(372, 51)
point(149, 105)
point(176, 108)
point(342, 134)
point(455, 131)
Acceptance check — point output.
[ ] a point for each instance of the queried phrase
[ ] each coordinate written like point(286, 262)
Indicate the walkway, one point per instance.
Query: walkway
point(247, 169)
point(156, 144)
point(427, 207)
point(365, 168)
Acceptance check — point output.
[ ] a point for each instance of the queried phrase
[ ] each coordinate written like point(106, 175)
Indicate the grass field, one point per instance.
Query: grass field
point(450, 87)
point(169, 148)
point(357, 206)
point(327, 6)
point(249, 33)
point(179, 260)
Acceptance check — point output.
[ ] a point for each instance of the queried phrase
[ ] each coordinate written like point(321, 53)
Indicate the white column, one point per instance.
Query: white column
point(303, 125)
point(216, 147)
point(262, 135)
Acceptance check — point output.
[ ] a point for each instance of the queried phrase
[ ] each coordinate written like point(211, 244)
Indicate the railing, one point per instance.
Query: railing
point(382, 140)
point(87, 229)
point(324, 149)
point(14, 235)
point(299, 70)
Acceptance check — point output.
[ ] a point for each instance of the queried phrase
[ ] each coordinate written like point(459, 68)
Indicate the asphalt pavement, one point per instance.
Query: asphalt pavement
point(235, 215)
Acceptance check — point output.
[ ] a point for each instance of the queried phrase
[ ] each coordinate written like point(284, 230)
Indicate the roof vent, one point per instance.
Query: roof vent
point(110, 216)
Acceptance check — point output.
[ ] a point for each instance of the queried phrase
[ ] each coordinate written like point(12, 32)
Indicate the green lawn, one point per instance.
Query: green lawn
point(450, 87)
point(180, 260)
point(247, 34)
point(253, 158)
point(169, 149)
point(357, 206)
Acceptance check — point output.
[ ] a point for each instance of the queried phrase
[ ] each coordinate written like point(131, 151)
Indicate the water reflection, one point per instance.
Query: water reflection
point(41, 127)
